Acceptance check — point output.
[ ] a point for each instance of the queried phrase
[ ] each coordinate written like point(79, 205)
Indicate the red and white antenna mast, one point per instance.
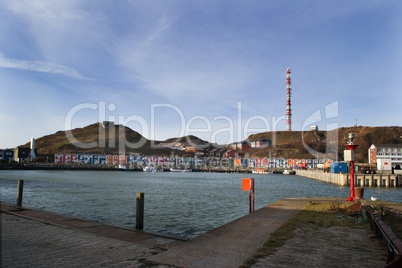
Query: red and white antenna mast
point(288, 102)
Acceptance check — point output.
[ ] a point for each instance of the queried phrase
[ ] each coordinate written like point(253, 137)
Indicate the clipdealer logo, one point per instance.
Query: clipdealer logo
point(237, 128)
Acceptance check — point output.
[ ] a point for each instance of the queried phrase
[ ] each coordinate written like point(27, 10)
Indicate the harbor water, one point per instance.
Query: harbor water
point(184, 204)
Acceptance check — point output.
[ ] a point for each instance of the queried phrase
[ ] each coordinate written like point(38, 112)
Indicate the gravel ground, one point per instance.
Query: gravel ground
point(328, 247)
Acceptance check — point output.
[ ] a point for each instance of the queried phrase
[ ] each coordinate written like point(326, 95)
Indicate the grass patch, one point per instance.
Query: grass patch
point(322, 215)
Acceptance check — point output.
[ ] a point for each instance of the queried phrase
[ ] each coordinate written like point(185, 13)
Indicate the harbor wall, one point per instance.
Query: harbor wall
point(334, 178)
point(342, 179)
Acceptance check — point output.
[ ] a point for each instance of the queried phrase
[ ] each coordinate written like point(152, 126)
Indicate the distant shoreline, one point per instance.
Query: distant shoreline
point(59, 167)
point(42, 166)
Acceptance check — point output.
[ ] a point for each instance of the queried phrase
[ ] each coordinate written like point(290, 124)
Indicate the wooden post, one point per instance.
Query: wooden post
point(139, 222)
point(20, 192)
point(251, 196)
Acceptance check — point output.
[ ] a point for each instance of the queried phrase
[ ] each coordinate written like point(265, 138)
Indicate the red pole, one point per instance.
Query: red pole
point(352, 181)
point(351, 146)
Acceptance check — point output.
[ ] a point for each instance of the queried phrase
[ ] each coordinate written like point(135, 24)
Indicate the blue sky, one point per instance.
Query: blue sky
point(214, 69)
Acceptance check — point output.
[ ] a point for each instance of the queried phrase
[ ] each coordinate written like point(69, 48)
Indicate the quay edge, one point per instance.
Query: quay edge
point(342, 179)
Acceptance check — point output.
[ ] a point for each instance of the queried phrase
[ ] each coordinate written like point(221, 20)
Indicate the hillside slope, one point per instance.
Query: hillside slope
point(298, 144)
point(295, 144)
point(96, 139)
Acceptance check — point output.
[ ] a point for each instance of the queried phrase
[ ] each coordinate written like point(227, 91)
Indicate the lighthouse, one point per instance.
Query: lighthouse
point(288, 102)
point(32, 154)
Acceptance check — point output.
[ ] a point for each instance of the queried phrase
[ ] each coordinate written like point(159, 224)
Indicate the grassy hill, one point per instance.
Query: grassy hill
point(295, 144)
point(298, 144)
point(190, 139)
point(96, 139)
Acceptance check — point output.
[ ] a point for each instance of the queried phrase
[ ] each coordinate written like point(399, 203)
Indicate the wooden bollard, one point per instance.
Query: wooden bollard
point(139, 216)
point(20, 192)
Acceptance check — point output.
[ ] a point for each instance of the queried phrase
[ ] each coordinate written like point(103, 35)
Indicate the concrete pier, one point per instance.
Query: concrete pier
point(370, 180)
point(334, 178)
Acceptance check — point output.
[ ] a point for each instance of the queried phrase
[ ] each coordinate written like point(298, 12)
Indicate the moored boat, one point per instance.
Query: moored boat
point(179, 170)
point(121, 167)
point(149, 169)
point(289, 172)
point(260, 171)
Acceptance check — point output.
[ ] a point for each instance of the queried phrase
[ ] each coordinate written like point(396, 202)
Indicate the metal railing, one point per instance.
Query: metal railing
point(393, 242)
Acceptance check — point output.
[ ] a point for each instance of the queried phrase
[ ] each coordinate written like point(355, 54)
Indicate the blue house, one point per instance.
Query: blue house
point(102, 159)
point(88, 159)
point(80, 158)
point(7, 155)
point(95, 159)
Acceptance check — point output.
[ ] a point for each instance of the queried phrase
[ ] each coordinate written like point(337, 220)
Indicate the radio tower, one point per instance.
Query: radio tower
point(288, 102)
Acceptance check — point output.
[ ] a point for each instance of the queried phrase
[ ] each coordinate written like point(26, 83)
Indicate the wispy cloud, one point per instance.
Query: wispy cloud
point(39, 66)
point(202, 57)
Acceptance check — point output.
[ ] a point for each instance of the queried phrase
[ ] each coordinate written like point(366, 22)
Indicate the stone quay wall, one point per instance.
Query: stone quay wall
point(342, 179)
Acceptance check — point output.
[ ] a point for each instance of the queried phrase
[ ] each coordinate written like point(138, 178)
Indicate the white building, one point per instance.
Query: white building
point(385, 152)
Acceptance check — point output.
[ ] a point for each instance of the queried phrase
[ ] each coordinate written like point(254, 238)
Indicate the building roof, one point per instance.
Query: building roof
point(388, 146)
point(259, 140)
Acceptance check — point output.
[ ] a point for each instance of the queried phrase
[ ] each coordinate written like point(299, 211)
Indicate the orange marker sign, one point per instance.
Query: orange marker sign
point(247, 184)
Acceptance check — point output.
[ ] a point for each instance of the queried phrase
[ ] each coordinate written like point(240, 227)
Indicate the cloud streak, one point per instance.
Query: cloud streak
point(202, 57)
point(39, 66)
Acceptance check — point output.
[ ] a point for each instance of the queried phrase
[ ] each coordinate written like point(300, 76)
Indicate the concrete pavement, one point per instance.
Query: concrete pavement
point(33, 238)
point(232, 244)
point(28, 243)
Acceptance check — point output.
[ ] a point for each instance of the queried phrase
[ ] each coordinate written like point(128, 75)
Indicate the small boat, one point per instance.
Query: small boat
point(179, 170)
point(289, 172)
point(149, 169)
point(374, 198)
point(121, 167)
point(260, 171)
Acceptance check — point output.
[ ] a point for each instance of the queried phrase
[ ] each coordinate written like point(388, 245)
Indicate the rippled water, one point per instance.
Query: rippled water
point(185, 204)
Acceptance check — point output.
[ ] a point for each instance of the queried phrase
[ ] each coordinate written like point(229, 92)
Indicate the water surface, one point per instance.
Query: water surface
point(185, 204)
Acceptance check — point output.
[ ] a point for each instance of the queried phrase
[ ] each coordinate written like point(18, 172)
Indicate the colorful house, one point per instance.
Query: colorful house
point(237, 162)
point(115, 160)
point(109, 159)
point(230, 154)
point(74, 158)
point(96, 159)
point(260, 143)
point(265, 162)
point(67, 158)
point(58, 158)
point(122, 159)
point(80, 158)
point(241, 146)
point(88, 159)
